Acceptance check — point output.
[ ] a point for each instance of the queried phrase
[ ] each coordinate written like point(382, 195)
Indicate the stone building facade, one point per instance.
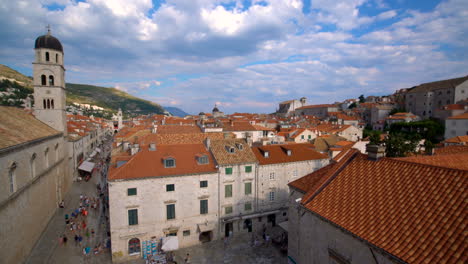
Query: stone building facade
point(34, 156)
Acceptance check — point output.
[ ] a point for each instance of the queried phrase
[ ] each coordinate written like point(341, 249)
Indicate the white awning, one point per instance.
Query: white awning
point(260, 214)
point(284, 225)
point(170, 243)
point(86, 166)
point(206, 227)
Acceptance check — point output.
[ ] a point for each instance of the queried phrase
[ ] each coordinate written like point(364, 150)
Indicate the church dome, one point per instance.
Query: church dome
point(48, 42)
point(215, 109)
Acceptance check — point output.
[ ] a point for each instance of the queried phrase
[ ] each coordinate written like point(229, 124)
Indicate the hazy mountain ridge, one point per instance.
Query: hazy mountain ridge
point(108, 98)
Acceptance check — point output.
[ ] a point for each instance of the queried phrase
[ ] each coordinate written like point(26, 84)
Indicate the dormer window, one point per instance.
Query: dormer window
point(202, 159)
point(239, 146)
point(169, 163)
point(289, 152)
point(230, 149)
point(266, 154)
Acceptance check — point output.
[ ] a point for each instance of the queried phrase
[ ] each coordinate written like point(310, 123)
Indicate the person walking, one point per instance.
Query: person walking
point(65, 239)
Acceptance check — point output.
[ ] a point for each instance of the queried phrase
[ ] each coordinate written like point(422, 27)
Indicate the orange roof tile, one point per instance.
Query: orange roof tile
point(454, 161)
point(461, 116)
point(278, 153)
point(242, 152)
point(458, 139)
point(177, 129)
point(316, 106)
point(147, 164)
point(414, 212)
point(451, 150)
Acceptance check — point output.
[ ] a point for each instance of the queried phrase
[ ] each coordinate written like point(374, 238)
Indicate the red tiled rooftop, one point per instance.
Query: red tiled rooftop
point(413, 211)
point(278, 153)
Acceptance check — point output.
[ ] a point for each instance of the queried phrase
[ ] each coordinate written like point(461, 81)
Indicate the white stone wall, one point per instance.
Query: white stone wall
point(456, 127)
point(25, 213)
point(310, 239)
point(151, 201)
point(461, 92)
point(304, 136)
point(283, 174)
point(351, 133)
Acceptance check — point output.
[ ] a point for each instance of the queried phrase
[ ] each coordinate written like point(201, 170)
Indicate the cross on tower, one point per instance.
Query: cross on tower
point(48, 29)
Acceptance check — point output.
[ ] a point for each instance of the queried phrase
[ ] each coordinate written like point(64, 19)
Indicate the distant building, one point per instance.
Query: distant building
point(424, 99)
point(456, 126)
point(401, 117)
point(287, 108)
point(320, 111)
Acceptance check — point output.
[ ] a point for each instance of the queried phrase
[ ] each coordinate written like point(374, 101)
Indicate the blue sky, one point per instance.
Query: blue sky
point(244, 55)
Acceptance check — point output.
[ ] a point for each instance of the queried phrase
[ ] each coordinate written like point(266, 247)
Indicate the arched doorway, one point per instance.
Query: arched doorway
point(134, 246)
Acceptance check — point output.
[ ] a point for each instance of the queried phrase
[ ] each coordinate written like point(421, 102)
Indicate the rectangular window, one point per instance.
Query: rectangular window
point(228, 190)
point(203, 184)
point(131, 191)
point(309, 136)
point(203, 206)
point(248, 168)
point(186, 232)
point(170, 208)
point(133, 217)
point(228, 210)
point(228, 170)
point(169, 163)
point(170, 188)
point(272, 175)
point(203, 159)
point(302, 136)
point(272, 196)
point(295, 173)
point(248, 188)
point(248, 206)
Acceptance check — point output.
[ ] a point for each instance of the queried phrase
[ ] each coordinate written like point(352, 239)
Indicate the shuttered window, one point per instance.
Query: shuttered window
point(248, 188)
point(228, 190)
point(133, 217)
point(228, 170)
point(203, 206)
point(248, 169)
point(170, 208)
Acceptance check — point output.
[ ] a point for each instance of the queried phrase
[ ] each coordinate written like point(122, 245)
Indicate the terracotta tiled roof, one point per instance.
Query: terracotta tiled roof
point(244, 154)
point(454, 107)
point(148, 163)
point(17, 126)
point(459, 139)
point(412, 211)
point(451, 150)
point(461, 116)
point(238, 126)
point(177, 129)
point(278, 153)
point(444, 84)
point(316, 106)
point(262, 128)
point(324, 142)
point(454, 161)
point(171, 139)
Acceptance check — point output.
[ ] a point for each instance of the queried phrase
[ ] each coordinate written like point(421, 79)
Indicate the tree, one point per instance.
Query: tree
point(397, 110)
point(353, 105)
point(362, 99)
point(400, 145)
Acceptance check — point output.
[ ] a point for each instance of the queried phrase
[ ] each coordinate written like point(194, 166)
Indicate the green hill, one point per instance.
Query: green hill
point(108, 98)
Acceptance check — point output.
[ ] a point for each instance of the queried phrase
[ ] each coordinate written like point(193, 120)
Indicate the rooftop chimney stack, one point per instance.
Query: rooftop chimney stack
point(375, 152)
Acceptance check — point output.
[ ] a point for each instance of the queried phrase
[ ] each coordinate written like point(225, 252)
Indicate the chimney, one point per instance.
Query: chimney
point(208, 143)
point(152, 146)
point(375, 152)
point(125, 145)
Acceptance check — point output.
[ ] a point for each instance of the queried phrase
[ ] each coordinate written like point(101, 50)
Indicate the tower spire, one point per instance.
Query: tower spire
point(48, 29)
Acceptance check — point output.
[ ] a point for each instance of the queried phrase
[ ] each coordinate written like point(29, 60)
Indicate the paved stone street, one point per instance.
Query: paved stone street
point(48, 249)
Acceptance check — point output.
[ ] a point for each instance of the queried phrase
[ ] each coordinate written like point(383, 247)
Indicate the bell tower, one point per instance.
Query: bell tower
point(49, 82)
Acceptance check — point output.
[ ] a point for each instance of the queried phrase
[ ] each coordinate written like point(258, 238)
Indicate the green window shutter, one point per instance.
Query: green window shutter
point(131, 191)
point(203, 184)
point(170, 211)
point(133, 217)
point(248, 168)
point(228, 170)
point(203, 206)
point(228, 190)
point(310, 136)
point(248, 206)
point(228, 210)
point(170, 188)
point(248, 188)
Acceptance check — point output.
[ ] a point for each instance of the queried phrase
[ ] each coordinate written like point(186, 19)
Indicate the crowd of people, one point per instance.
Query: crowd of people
point(91, 235)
